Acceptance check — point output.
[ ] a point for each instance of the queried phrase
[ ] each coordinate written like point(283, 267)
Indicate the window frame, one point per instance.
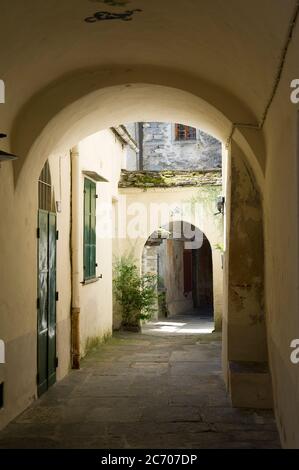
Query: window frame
point(185, 141)
point(89, 231)
point(46, 199)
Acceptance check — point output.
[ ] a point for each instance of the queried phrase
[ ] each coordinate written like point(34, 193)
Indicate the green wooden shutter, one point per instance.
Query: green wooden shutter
point(92, 232)
point(89, 229)
point(86, 227)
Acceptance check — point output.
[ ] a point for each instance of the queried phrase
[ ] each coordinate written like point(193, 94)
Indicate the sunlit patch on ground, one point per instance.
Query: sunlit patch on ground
point(181, 324)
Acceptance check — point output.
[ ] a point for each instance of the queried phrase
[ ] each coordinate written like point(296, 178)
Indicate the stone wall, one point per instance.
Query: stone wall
point(161, 151)
point(167, 179)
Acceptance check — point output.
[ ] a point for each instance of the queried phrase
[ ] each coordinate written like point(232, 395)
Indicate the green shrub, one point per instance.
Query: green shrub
point(135, 293)
point(163, 310)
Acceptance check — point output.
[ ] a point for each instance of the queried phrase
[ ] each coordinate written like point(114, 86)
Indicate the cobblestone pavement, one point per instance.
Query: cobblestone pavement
point(143, 391)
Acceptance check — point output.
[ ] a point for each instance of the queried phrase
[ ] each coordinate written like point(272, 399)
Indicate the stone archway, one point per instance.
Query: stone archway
point(149, 210)
point(97, 100)
point(184, 272)
point(53, 130)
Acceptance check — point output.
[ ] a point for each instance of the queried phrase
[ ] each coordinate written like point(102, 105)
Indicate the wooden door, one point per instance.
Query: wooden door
point(46, 323)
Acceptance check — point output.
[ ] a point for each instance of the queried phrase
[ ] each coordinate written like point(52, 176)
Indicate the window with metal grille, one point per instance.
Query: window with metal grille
point(45, 190)
point(89, 249)
point(184, 133)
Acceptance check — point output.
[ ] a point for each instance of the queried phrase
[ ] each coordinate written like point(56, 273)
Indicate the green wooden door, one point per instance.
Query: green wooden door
point(46, 324)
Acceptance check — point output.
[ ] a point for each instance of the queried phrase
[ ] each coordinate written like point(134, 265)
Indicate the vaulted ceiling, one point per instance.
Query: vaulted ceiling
point(233, 45)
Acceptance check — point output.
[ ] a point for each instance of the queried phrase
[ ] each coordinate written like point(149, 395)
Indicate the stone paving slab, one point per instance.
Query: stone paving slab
point(143, 391)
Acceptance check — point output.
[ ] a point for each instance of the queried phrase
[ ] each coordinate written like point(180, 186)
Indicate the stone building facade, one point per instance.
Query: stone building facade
point(165, 148)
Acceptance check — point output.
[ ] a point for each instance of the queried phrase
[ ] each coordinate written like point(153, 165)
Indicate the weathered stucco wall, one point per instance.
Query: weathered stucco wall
point(226, 256)
point(104, 154)
point(60, 173)
point(166, 203)
point(246, 315)
point(281, 209)
point(245, 343)
point(18, 318)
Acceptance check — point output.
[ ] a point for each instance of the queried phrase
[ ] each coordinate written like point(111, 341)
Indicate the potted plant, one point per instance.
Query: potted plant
point(136, 293)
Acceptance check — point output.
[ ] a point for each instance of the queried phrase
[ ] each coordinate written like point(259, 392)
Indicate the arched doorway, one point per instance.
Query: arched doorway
point(181, 257)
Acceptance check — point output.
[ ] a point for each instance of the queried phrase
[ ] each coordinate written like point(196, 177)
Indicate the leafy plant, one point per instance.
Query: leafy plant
point(135, 293)
point(162, 304)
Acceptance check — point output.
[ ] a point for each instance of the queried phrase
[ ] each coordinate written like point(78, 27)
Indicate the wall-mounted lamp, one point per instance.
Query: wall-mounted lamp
point(58, 207)
point(220, 205)
point(4, 156)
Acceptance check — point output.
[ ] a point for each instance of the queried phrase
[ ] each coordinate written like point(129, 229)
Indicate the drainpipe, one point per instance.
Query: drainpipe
point(75, 258)
point(140, 141)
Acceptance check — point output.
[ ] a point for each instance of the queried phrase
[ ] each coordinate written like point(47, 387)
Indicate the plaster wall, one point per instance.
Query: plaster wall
point(132, 159)
point(177, 302)
point(60, 173)
point(245, 353)
point(281, 203)
point(140, 204)
point(18, 293)
point(226, 251)
point(44, 54)
point(150, 266)
point(246, 313)
point(103, 154)
point(18, 320)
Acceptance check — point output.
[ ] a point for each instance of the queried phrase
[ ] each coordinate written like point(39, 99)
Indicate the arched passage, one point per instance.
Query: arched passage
point(227, 53)
point(57, 130)
point(88, 108)
point(148, 211)
point(180, 255)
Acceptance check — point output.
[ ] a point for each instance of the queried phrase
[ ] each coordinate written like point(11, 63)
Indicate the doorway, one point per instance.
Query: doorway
point(46, 284)
point(202, 279)
point(185, 274)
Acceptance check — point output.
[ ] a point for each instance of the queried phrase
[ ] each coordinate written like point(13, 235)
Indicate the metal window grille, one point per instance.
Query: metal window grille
point(45, 190)
point(184, 133)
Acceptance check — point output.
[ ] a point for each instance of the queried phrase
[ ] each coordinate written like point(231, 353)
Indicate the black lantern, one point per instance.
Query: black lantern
point(220, 205)
point(4, 156)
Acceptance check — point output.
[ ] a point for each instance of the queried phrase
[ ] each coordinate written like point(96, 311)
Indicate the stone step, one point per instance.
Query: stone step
point(250, 385)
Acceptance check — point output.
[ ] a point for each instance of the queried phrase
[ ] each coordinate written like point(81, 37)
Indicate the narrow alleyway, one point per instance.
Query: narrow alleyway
point(143, 391)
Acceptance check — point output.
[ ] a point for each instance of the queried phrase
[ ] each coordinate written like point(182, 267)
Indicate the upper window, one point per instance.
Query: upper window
point(184, 133)
point(45, 190)
point(90, 197)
